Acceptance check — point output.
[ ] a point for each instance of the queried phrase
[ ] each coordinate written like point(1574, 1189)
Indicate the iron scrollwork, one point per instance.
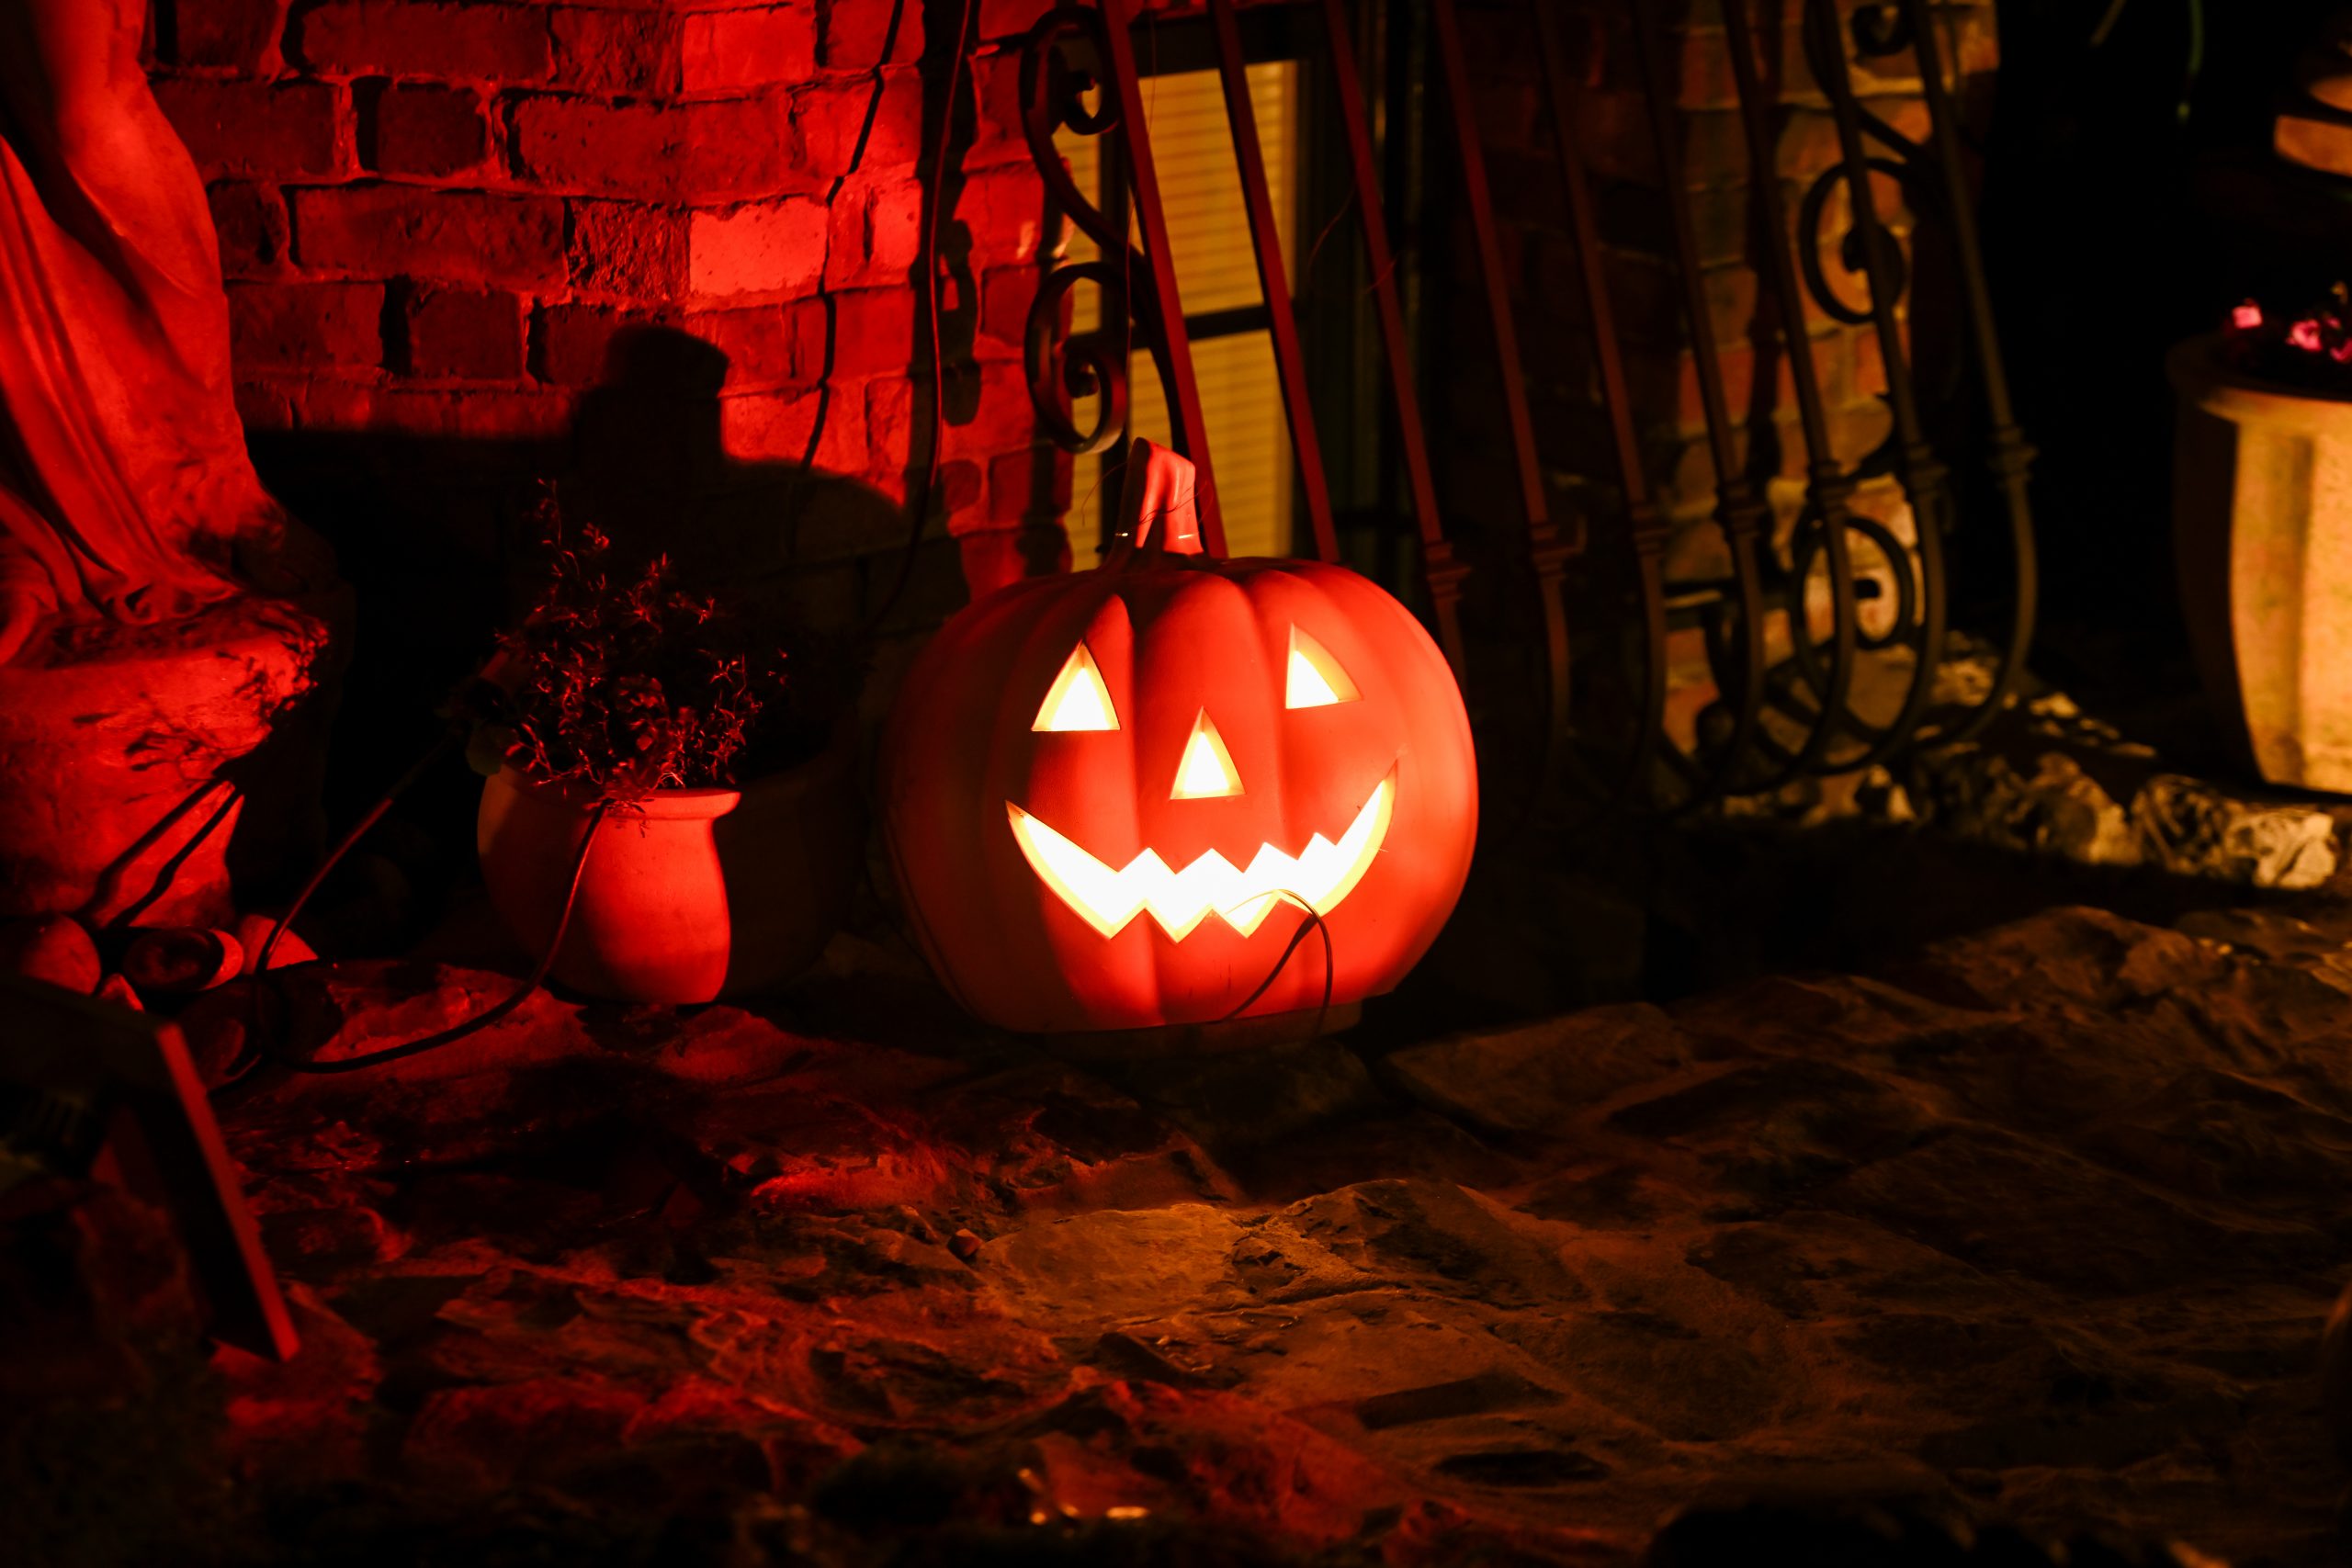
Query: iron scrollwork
point(1063, 368)
point(1886, 594)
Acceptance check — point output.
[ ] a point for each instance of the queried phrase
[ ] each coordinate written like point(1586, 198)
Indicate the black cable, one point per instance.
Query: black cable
point(1313, 920)
point(255, 1053)
point(455, 737)
point(920, 513)
point(481, 1021)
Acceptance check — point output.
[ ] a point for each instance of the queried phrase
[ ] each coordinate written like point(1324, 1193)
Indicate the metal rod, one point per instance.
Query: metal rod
point(1274, 277)
point(1645, 529)
point(1828, 486)
point(1548, 549)
point(1740, 509)
point(2007, 455)
point(1440, 569)
point(1174, 344)
point(1447, 34)
point(1923, 474)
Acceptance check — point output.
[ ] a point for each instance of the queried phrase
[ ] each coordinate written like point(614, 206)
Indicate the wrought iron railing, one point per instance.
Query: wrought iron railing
point(1775, 719)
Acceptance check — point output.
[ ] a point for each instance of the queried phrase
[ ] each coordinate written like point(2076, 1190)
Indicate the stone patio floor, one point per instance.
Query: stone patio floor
point(2042, 1223)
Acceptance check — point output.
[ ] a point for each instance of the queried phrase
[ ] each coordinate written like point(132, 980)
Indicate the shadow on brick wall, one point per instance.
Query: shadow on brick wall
point(435, 534)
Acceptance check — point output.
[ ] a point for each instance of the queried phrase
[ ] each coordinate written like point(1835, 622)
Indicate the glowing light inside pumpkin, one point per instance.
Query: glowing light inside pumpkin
point(1206, 772)
point(1077, 699)
point(1322, 875)
point(1315, 679)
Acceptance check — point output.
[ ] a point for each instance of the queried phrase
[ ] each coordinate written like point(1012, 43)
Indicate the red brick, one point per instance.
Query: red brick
point(1001, 421)
point(998, 137)
point(874, 331)
point(413, 38)
point(250, 221)
point(1010, 18)
point(854, 35)
point(1003, 207)
point(469, 414)
point(429, 131)
point(254, 128)
point(959, 495)
point(994, 558)
point(306, 326)
point(657, 151)
point(876, 236)
point(617, 51)
point(890, 403)
point(471, 334)
point(1006, 295)
point(757, 342)
point(775, 247)
point(264, 405)
point(240, 33)
point(385, 230)
point(620, 248)
point(830, 119)
point(1034, 483)
point(779, 427)
point(727, 51)
point(570, 342)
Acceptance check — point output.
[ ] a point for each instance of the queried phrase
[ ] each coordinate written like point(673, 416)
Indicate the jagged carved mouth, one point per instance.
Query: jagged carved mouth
point(1321, 874)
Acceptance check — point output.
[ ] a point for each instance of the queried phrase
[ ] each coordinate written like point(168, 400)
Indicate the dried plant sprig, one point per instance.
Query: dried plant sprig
point(630, 688)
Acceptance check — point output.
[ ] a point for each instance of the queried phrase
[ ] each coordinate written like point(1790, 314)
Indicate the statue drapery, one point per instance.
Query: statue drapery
point(124, 481)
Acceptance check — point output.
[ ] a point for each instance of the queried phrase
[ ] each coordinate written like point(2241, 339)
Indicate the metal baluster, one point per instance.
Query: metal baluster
point(1175, 347)
point(1645, 527)
point(1828, 486)
point(1440, 569)
point(1548, 548)
point(1740, 508)
point(1925, 480)
point(2007, 455)
point(1274, 277)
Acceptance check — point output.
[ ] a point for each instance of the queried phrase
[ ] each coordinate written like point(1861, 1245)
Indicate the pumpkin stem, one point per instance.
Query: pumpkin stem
point(1157, 511)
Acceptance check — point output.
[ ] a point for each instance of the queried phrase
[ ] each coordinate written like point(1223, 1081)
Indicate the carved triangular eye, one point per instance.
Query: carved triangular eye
point(1077, 699)
point(1315, 679)
point(1206, 772)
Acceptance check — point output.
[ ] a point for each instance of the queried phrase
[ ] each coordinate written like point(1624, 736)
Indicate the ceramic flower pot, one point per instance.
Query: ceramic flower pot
point(2262, 524)
point(690, 896)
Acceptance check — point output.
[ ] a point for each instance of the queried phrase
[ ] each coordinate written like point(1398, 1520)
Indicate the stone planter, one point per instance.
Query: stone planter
point(2262, 524)
point(688, 897)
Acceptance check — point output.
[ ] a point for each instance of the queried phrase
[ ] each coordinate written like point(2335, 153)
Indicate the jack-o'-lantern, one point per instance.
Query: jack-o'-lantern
point(1112, 798)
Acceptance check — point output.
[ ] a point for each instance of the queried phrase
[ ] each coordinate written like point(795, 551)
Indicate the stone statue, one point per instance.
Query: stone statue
point(168, 647)
point(124, 482)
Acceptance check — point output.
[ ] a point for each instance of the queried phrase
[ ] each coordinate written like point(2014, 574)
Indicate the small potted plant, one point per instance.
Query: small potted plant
point(727, 826)
point(2262, 523)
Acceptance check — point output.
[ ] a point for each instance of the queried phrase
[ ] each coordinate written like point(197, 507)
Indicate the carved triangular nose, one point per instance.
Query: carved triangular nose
point(1205, 770)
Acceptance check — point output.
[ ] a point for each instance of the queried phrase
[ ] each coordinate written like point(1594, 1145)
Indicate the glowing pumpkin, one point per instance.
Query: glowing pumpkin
point(1110, 797)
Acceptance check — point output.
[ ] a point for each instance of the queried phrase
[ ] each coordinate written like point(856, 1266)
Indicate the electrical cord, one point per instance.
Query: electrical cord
point(1313, 921)
point(481, 1021)
point(478, 699)
point(919, 513)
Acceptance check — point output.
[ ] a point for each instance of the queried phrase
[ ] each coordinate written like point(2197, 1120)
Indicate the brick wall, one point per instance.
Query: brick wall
point(1531, 208)
point(664, 251)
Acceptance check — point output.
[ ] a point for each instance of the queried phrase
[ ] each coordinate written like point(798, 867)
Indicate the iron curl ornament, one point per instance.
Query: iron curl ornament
point(1063, 368)
point(1072, 52)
